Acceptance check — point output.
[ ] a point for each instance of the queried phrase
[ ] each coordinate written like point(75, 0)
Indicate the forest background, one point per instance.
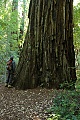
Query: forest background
point(13, 28)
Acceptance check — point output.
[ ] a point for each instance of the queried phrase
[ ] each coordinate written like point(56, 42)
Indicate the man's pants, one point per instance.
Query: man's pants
point(9, 78)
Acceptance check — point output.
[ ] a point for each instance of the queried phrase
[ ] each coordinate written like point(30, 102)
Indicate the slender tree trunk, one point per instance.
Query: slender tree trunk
point(48, 57)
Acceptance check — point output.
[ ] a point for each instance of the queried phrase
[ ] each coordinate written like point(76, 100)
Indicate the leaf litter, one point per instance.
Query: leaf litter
point(30, 104)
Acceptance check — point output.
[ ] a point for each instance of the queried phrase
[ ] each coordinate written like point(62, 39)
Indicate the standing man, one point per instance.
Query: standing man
point(10, 72)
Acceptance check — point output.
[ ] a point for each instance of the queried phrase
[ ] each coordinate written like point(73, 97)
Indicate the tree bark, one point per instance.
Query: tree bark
point(48, 57)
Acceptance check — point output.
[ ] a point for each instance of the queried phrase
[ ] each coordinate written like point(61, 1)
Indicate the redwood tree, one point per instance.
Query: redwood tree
point(48, 57)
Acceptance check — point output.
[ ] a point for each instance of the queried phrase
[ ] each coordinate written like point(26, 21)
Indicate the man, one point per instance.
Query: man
point(10, 72)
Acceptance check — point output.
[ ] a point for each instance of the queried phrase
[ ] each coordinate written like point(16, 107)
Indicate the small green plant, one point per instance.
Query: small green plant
point(54, 117)
point(66, 106)
point(77, 85)
point(66, 85)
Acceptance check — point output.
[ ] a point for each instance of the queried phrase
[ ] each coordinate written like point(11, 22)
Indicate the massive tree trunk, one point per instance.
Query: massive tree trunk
point(48, 57)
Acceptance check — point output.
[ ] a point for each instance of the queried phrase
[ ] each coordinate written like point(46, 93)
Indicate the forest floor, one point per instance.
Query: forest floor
point(34, 104)
point(28, 104)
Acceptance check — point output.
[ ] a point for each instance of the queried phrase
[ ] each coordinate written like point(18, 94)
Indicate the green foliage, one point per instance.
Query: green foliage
point(76, 18)
point(7, 43)
point(68, 85)
point(10, 34)
point(66, 106)
point(78, 80)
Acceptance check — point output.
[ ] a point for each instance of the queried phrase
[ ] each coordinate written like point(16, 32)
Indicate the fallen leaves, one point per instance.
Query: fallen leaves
point(30, 104)
point(36, 118)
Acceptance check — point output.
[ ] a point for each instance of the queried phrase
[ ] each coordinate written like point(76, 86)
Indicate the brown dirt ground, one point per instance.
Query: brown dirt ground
point(30, 104)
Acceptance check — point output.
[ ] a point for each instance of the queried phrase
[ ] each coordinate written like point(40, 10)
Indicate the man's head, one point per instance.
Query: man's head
point(11, 58)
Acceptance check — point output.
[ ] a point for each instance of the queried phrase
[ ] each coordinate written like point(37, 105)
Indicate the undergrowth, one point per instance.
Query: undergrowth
point(66, 106)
